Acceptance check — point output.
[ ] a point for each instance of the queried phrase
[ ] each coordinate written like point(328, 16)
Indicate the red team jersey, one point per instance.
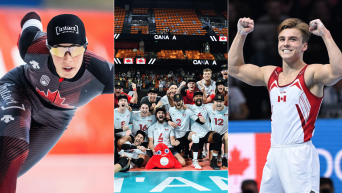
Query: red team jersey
point(116, 99)
point(294, 109)
point(188, 98)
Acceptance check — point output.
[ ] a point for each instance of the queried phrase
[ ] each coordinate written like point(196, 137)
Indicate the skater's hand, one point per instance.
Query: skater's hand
point(185, 107)
point(245, 26)
point(134, 86)
point(317, 27)
point(129, 108)
point(183, 83)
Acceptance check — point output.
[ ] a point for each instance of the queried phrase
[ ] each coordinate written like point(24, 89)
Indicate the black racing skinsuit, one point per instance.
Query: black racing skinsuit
point(37, 105)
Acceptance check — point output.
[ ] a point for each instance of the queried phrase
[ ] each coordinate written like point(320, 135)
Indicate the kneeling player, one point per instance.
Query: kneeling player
point(203, 131)
point(219, 123)
point(122, 117)
point(134, 151)
point(181, 128)
point(161, 132)
point(141, 121)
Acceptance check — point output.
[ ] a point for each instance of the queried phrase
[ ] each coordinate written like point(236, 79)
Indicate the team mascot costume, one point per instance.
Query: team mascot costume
point(163, 158)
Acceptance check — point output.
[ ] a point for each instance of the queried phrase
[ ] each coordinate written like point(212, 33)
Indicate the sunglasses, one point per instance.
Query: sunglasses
point(60, 51)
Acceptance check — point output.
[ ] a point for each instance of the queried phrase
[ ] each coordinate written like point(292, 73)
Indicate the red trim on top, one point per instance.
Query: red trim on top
point(61, 79)
point(294, 79)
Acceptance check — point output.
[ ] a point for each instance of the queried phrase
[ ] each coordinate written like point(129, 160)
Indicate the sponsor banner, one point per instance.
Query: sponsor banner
point(126, 45)
point(141, 61)
point(128, 60)
point(326, 139)
point(166, 37)
point(158, 61)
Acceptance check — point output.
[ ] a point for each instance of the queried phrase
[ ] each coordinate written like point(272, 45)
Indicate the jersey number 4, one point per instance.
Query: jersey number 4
point(160, 138)
point(218, 120)
point(143, 128)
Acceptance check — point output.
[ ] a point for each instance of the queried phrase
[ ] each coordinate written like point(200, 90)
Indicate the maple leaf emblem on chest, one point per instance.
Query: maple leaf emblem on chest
point(54, 97)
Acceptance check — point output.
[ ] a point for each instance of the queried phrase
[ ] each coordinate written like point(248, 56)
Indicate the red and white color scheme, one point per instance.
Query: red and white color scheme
point(223, 38)
point(141, 61)
point(128, 61)
point(294, 110)
point(247, 154)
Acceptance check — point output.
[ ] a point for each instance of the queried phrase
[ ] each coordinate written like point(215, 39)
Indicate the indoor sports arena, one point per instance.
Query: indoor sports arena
point(82, 159)
point(161, 44)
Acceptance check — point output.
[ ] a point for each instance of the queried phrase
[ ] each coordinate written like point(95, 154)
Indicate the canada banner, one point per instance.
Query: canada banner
point(141, 61)
point(246, 158)
point(128, 60)
point(223, 38)
point(249, 143)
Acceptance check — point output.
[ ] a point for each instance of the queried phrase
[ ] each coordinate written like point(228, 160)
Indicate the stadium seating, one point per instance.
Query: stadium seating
point(178, 21)
point(208, 12)
point(221, 31)
point(140, 11)
point(189, 54)
point(119, 17)
point(135, 29)
point(128, 53)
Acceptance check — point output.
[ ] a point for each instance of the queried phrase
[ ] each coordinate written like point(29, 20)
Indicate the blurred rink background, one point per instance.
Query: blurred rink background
point(82, 160)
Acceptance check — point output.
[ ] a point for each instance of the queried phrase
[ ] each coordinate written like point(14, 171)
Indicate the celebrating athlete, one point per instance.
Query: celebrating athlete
point(296, 92)
point(39, 99)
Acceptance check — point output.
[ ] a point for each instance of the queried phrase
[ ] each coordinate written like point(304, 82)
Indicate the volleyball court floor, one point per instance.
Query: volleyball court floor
point(186, 179)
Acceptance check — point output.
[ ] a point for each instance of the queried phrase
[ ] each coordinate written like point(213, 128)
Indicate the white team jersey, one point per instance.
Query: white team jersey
point(218, 119)
point(166, 103)
point(141, 123)
point(199, 129)
point(294, 110)
point(132, 153)
point(161, 133)
point(208, 89)
point(121, 119)
point(182, 119)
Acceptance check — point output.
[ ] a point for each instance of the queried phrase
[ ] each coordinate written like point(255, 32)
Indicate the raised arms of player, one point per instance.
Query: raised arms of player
point(327, 74)
point(248, 73)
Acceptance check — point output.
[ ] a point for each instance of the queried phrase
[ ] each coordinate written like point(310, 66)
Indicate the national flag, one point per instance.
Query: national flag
point(282, 98)
point(141, 61)
point(128, 61)
point(247, 154)
point(223, 38)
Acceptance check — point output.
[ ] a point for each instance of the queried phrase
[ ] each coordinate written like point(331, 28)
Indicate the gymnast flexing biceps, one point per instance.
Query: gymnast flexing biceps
point(296, 93)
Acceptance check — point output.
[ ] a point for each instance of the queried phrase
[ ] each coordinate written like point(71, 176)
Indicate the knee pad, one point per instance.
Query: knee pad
point(217, 137)
point(124, 162)
point(195, 138)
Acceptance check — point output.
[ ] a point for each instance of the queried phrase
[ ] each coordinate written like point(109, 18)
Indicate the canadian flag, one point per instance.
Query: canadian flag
point(282, 98)
point(128, 61)
point(141, 61)
point(247, 154)
point(223, 38)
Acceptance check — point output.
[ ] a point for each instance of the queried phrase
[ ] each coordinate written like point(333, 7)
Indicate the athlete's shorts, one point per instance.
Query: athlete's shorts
point(145, 143)
point(182, 141)
point(291, 168)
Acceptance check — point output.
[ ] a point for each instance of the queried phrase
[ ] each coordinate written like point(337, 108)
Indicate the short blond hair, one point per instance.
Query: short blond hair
point(297, 24)
point(207, 70)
